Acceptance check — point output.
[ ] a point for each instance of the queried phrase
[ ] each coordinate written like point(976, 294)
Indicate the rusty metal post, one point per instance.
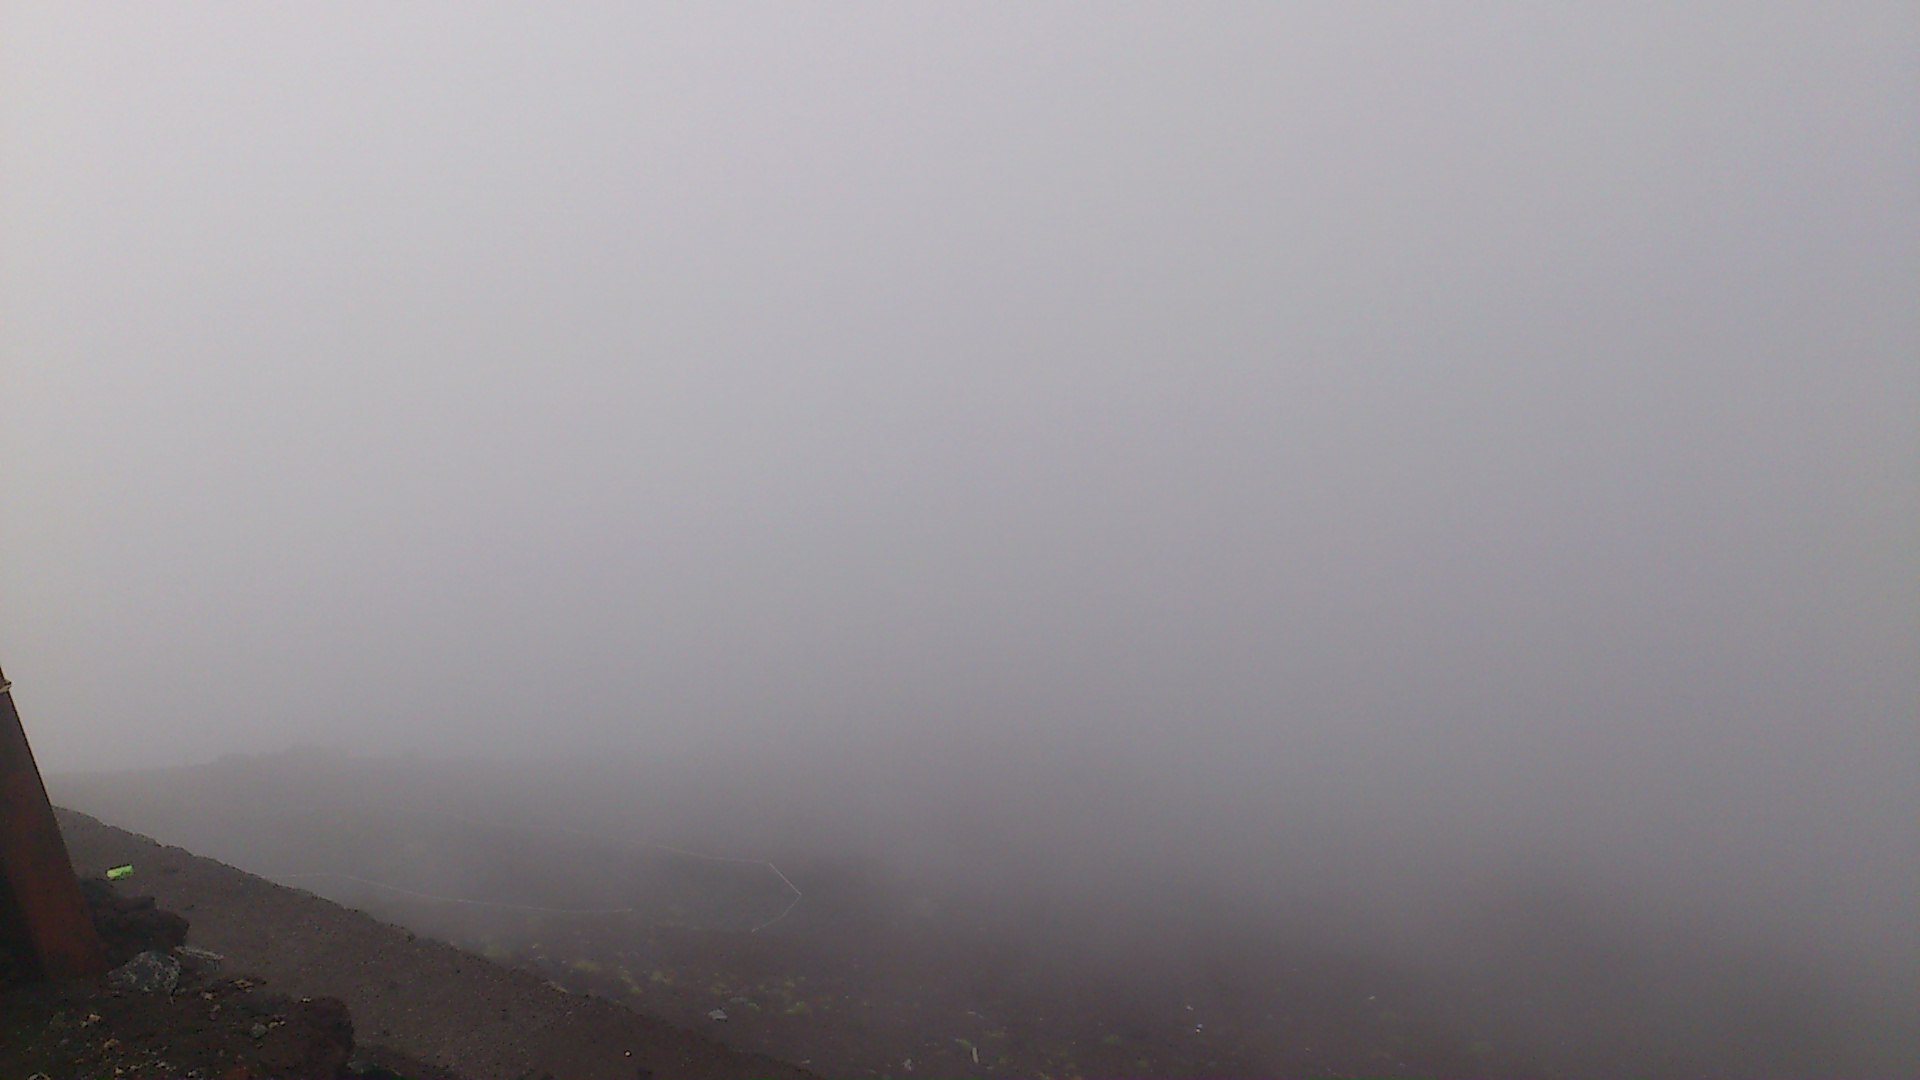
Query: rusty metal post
point(34, 860)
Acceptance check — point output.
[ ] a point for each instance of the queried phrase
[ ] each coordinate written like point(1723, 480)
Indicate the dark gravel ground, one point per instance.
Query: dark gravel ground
point(166, 1011)
point(225, 1028)
point(383, 1003)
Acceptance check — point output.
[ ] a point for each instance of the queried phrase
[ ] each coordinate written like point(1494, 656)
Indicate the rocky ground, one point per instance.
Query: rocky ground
point(168, 1010)
point(283, 984)
point(528, 890)
point(867, 977)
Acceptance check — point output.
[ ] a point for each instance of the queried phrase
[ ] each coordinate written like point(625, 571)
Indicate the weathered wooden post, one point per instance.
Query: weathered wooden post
point(34, 867)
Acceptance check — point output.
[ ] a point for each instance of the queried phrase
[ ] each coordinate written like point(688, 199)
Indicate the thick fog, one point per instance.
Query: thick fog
point(1185, 433)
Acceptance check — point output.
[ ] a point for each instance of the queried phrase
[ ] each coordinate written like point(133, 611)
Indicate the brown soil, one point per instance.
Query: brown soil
point(173, 1019)
point(411, 1001)
point(872, 975)
point(889, 968)
point(224, 1028)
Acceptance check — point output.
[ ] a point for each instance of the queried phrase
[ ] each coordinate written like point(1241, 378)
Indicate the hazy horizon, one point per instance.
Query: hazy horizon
point(1491, 423)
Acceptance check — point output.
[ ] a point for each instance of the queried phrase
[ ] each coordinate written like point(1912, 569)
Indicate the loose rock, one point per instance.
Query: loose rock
point(151, 972)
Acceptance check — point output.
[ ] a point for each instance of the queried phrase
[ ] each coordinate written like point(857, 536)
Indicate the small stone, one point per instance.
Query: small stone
point(151, 972)
point(258, 1031)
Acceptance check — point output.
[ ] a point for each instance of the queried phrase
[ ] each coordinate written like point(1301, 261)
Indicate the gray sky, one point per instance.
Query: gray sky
point(1509, 407)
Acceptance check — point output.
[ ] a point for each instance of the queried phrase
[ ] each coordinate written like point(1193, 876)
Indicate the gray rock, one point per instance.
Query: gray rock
point(151, 972)
point(197, 961)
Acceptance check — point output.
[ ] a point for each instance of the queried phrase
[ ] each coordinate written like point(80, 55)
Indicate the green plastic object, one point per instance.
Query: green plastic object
point(119, 872)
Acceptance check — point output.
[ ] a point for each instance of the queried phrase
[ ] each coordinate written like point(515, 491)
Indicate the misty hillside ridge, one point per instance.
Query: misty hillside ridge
point(1129, 539)
point(817, 948)
point(401, 1006)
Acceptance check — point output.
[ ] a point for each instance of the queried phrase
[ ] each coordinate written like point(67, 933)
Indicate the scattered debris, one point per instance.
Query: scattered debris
point(717, 1014)
point(118, 872)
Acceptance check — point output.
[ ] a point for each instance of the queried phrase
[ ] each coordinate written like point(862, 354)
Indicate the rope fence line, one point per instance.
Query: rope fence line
point(619, 841)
